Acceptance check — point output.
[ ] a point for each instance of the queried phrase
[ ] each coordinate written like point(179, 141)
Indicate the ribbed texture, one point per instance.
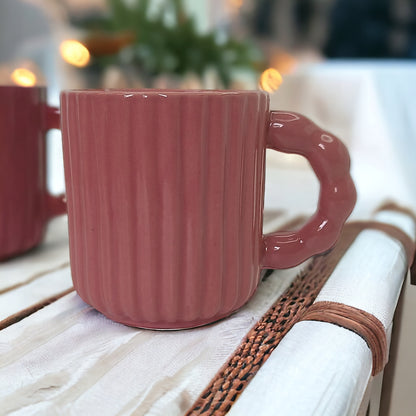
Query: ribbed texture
point(22, 169)
point(165, 200)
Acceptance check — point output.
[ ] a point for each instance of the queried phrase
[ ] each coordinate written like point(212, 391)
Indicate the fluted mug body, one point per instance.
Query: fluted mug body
point(165, 201)
point(165, 197)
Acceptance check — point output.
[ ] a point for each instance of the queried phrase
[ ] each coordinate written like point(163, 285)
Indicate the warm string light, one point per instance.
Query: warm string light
point(75, 53)
point(236, 4)
point(23, 77)
point(270, 80)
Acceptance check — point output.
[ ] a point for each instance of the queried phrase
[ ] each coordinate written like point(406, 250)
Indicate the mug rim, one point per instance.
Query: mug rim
point(161, 92)
point(21, 87)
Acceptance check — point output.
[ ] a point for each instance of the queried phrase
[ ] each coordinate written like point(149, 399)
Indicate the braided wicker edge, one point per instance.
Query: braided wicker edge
point(264, 337)
point(290, 308)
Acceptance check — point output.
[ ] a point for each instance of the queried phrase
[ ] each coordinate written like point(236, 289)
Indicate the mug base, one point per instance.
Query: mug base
point(168, 326)
point(20, 252)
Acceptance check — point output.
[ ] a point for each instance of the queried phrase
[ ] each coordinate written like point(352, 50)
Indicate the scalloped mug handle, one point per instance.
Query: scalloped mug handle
point(290, 132)
point(55, 205)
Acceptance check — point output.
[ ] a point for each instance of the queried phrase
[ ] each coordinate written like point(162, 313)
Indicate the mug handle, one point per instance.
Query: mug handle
point(55, 205)
point(293, 133)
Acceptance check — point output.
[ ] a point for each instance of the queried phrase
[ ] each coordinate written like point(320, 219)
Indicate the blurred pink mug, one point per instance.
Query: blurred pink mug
point(25, 204)
point(165, 193)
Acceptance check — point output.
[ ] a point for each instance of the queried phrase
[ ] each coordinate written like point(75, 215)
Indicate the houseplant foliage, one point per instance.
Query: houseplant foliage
point(162, 42)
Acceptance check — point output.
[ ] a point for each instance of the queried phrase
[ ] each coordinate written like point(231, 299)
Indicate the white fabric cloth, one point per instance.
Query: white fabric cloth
point(69, 359)
point(369, 276)
point(328, 366)
point(317, 369)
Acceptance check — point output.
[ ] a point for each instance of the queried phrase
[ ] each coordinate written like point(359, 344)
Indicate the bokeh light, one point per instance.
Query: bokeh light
point(283, 62)
point(236, 4)
point(270, 80)
point(23, 77)
point(75, 53)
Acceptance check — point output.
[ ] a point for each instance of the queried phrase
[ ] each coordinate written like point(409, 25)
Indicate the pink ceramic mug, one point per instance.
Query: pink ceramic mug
point(165, 197)
point(25, 204)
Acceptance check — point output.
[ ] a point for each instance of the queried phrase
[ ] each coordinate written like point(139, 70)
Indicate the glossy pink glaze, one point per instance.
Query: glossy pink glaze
point(293, 133)
point(25, 205)
point(165, 200)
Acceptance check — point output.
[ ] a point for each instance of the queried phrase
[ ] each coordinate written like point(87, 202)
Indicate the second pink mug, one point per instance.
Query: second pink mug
point(25, 203)
point(165, 195)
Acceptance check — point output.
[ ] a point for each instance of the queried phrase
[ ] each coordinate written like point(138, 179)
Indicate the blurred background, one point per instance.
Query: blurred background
point(240, 44)
point(192, 43)
point(346, 64)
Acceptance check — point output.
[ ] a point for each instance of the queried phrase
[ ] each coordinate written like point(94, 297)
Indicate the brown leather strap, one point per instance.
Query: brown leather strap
point(392, 206)
point(358, 321)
